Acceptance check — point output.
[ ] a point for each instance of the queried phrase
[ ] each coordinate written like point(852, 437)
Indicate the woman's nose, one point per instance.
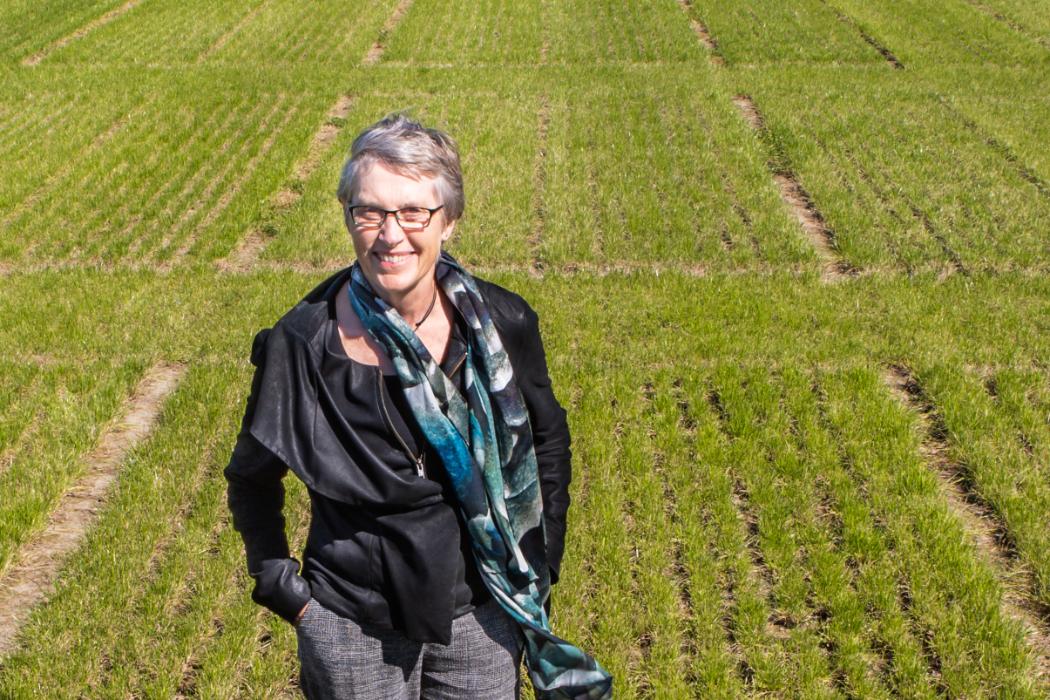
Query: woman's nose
point(390, 231)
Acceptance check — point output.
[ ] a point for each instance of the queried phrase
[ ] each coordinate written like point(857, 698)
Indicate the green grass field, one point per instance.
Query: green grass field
point(810, 460)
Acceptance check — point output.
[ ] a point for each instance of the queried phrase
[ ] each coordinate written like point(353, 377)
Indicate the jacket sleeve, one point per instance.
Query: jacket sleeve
point(550, 431)
point(255, 494)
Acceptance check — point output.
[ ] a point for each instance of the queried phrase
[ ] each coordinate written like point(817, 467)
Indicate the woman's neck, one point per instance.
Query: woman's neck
point(415, 304)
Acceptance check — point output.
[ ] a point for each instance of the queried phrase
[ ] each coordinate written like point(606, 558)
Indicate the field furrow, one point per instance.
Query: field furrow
point(101, 585)
point(999, 470)
point(29, 574)
point(330, 36)
point(29, 26)
point(932, 549)
point(247, 251)
point(950, 33)
point(768, 31)
point(81, 32)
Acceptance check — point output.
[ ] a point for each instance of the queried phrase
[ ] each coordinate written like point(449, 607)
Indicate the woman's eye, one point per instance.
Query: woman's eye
point(414, 214)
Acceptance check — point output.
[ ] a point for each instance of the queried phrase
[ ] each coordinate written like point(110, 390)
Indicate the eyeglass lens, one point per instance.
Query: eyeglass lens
point(408, 218)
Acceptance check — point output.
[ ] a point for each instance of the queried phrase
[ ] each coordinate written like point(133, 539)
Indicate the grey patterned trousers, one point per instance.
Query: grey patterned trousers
point(340, 659)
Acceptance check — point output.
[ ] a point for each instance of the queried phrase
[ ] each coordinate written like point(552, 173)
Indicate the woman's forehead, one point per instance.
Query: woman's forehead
point(383, 185)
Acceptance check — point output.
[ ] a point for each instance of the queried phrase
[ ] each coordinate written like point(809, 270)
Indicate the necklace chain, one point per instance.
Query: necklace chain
point(433, 302)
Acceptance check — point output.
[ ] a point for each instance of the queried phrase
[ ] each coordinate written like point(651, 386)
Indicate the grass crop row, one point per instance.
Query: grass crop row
point(622, 594)
point(773, 494)
point(932, 190)
point(768, 31)
point(484, 32)
point(147, 562)
point(30, 25)
point(156, 32)
point(606, 31)
point(306, 38)
point(71, 409)
point(952, 597)
point(771, 320)
point(670, 175)
point(1023, 16)
point(1024, 400)
point(1017, 124)
point(601, 32)
point(995, 463)
point(953, 33)
point(134, 201)
point(244, 32)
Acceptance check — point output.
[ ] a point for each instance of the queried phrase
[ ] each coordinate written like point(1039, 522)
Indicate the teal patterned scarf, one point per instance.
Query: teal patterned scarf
point(485, 443)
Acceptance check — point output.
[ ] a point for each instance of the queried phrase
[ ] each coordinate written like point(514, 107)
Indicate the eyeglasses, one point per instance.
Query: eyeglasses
point(409, 218)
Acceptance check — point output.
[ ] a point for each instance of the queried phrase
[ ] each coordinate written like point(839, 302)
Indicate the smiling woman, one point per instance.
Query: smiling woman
point(414, 402)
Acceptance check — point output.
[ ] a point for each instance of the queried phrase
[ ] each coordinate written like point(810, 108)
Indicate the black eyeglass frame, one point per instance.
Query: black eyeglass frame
point(413, 225)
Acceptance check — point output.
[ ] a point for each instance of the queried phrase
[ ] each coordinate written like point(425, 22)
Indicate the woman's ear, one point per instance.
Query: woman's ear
point(447, 233)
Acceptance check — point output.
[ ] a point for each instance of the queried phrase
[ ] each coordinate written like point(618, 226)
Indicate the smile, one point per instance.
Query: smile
point(392, 259)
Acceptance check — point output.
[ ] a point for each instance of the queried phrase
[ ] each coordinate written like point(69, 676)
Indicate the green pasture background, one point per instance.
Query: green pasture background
point(755, 511)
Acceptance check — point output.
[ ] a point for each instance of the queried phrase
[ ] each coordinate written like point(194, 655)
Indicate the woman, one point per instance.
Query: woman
point(413, 401)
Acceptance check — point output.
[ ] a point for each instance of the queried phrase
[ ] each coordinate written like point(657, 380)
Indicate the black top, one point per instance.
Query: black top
point(374, 403)
point(385, 545)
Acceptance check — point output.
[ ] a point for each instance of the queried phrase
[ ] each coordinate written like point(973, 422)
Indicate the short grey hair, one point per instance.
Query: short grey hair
point(408, 147)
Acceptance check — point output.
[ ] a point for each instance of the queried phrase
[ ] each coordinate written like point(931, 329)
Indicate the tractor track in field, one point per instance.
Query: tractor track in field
point(224, 39)
point(1009, 22)
point(999, 147)
point(868, 38)
point(546, 12)
point(31, 577)
point(703, 34)
point(375, 53)
point(927, 224)
point(100, 21)
point(539, 188)
point(245, 255)
point(798, 200)
point(247, 251)
point(982, 524)
point(322, 140)
point(63, 173)
point(231, 191)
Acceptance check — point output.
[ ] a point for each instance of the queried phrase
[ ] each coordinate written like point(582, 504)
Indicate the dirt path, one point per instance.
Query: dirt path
point(244, 256)
point(31, 577)
point(229, 34)
point(819, 234)
point(707, 40)
point(868, 38)
point(983, 526)
point(80, 33)
point(376, 52)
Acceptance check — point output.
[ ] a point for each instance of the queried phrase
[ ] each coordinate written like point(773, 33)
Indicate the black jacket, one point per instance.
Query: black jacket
point(372, 553)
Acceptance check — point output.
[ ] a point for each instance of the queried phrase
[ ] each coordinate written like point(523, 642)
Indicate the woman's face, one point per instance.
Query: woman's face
point(395, 262)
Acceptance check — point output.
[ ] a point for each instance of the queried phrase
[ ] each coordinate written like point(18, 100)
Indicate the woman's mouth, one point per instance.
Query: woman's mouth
point(392, 260)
